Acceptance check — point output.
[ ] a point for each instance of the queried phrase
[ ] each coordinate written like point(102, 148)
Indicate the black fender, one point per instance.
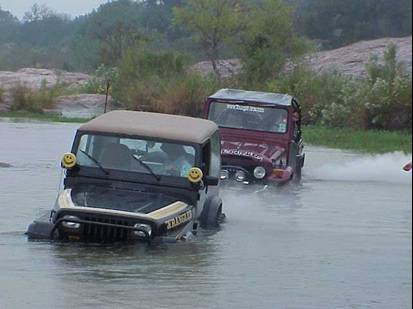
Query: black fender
point(212, 212)
point(40, 230)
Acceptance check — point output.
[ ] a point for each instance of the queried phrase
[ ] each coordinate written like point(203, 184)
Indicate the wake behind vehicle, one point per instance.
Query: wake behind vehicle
point(134, 176)
point(261, 136)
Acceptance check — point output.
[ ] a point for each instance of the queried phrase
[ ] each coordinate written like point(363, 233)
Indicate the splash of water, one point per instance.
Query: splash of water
point(379, 168)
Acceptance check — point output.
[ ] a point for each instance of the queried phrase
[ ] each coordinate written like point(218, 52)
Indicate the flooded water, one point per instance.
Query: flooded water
point(343, 239)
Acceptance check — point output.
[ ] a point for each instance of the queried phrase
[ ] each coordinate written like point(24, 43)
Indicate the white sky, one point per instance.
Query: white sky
point(72, 7)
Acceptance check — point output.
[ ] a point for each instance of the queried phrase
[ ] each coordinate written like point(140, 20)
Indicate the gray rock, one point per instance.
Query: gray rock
point(81, 106)
point(5, 165)
point(349, 60)
point(352, 59)
point(34, 79)
point(227, 68)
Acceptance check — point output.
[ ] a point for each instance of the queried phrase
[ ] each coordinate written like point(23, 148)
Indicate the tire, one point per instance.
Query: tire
point(212, 214)
point(298, 173)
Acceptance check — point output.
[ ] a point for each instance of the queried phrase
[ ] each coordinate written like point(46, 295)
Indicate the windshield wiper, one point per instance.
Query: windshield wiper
point(147, 167)
point(98, 164)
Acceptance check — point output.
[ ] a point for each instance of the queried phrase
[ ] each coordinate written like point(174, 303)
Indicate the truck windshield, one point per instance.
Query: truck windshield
point(249, 117)
point(135, 155)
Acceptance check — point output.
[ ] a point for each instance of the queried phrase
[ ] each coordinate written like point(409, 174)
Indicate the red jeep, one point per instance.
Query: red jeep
point(261, 135)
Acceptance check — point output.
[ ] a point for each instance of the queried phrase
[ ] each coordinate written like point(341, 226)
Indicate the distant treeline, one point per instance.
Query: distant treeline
point(144, 49)
point(48, 39)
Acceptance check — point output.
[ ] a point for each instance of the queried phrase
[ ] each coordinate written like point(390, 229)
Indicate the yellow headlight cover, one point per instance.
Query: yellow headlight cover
point(195, 175)
point(69, 160)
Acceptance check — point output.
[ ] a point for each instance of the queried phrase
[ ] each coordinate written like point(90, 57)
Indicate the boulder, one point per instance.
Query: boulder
point(352, 59)
point(349, 60)
point(227, 68)
point(34, 79)
point(80, 106)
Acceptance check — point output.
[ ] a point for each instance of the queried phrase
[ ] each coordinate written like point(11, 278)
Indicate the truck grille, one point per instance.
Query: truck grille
point(100, 233)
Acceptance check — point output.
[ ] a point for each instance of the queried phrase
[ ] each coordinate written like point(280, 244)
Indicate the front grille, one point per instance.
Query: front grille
point(100, 233)
point(232, 158)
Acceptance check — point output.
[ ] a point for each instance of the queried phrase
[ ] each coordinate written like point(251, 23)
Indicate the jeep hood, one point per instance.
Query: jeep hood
point(102, 197)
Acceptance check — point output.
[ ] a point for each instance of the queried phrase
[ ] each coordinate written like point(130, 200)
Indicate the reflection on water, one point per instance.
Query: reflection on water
point(341, 239)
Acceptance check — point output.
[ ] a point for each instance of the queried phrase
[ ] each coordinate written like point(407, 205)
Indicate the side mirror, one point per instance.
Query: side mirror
point(296, 116)
point(195, 175)
point(211, 181)
point(69, 161)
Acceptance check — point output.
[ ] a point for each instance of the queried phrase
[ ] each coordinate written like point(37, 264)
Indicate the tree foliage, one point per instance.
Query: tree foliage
point(269, 40)
point(336, 23)
point(115, 27)
point(213, 23)
point(8, 25)
point(38, 13)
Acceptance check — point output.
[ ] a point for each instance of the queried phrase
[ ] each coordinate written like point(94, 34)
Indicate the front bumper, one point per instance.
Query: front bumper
point(230, 174)
point(100, 228)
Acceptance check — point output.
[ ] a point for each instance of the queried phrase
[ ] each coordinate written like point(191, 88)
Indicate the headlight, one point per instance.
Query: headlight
point(69, 224)
point(240, 176)
point(224, 174)
point(260, 172)
point(142, 230)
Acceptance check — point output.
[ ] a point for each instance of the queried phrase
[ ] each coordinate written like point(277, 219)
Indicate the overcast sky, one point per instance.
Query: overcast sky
point(71, 7)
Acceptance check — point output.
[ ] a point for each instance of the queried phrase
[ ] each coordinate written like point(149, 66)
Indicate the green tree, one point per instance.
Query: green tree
point(213, 23)
point(336, 23)
point(8, 25)
point(269, 41)
point(116, 28)
point(37, 13)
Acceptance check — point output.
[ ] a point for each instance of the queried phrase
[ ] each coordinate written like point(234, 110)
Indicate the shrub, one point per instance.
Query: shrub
point(26, 99)
point(1, 94)
point(159, 82)
point(100, 80)
point(388, 93)
point(185, 96)
point(316, 92)
point(382, 100)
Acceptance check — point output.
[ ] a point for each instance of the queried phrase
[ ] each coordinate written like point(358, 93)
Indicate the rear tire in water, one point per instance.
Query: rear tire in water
point(298, 173)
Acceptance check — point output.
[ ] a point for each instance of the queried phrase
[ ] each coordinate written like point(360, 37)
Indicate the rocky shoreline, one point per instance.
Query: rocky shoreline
point(349, 60)
point(70, 106)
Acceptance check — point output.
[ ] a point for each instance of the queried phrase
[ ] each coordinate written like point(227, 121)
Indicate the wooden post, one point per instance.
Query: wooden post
point(107, 95)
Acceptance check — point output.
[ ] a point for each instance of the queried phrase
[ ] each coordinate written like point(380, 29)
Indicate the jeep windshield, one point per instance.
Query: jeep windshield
point(249, 117)
point(135, 155)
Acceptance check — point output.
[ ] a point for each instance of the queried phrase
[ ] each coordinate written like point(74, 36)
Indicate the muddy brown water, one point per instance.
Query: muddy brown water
point(343, 239)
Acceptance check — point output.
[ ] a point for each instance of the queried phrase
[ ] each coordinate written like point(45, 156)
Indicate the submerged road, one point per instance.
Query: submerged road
point(343, 239)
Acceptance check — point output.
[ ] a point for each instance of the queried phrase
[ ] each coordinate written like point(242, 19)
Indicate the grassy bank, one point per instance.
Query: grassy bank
point(41, 117)
point(363, 141)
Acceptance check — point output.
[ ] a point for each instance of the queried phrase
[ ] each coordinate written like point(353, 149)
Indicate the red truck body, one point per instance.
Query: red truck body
point(261, 135)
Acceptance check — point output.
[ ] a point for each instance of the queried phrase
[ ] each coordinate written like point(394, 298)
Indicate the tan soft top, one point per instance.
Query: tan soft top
point(152, 125)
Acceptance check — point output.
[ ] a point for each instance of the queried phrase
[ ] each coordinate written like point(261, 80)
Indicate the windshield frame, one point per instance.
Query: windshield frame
point(116, 174)
point(253, 104)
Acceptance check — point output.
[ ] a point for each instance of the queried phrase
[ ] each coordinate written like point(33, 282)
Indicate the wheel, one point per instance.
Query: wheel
point(298, 173)
point(212, 215)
